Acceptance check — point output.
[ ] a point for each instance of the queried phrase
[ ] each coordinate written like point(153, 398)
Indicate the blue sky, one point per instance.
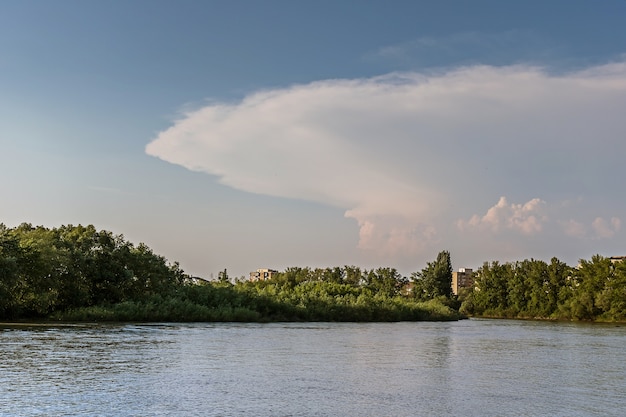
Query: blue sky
point(249, 134)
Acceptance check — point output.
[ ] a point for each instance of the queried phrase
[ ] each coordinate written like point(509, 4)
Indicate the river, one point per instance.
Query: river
point(466, 368)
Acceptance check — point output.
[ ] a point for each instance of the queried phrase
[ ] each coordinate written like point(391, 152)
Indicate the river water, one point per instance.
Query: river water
point(467, 368)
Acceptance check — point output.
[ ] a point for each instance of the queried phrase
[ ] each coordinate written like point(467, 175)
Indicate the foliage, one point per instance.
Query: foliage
point(594, 290)
point(80, 273)
point(435, 280)
point(47, 270)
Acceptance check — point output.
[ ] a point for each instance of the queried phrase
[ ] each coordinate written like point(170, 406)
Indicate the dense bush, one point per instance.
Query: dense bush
point(48, 270)
point(594, 290)
point(80, 274)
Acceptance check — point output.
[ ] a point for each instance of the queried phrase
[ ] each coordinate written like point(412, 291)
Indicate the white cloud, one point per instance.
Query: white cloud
point(467, 46)
point(574, 228)
point(606, 229)
point(407, 154)
point(526, 218)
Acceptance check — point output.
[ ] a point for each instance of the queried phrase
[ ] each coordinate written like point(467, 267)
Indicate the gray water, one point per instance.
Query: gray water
point(467, 368)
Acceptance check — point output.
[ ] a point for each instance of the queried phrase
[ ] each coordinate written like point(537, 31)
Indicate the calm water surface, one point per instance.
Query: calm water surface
point(468, 368)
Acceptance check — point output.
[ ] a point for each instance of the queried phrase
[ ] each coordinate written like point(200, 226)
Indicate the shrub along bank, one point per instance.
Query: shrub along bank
point(78, 273)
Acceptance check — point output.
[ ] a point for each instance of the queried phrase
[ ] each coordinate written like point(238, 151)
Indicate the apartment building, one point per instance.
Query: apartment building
point(462, 278)
point(262, 274)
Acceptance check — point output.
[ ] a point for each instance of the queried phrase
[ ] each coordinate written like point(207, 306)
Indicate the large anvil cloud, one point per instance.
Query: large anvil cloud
point(398, 152)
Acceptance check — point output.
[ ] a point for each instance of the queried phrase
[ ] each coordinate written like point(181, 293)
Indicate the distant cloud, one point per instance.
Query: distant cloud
point(599, 228)
point(467, 47)
point(574, 228)
point(524, 218)
point(407, 155)
point(604, 228)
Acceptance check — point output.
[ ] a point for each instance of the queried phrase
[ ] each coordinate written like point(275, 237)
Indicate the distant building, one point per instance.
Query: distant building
point(197, 280)
point(615, 259)
point(262, 274)
point(463, 278)
point(407, 288)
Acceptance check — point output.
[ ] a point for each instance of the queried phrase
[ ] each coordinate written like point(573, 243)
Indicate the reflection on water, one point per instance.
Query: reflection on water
point(467, 368)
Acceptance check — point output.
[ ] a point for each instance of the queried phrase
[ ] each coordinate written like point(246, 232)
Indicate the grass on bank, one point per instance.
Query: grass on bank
point(261, 309)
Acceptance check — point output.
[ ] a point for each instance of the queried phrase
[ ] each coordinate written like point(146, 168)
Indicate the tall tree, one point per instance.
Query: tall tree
point(10, 254)
point(491, 291)
point(352, 275)
point(384, 281)
point(436, 279)
point(612, 299)
point(223, 276)
point(591, 277)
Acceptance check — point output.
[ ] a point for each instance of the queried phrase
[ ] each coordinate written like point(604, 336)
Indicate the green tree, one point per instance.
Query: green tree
point(612, 299)
point(490, 293)
point(292, 276)
point(40, 267)
point(10, 253)
point(352, 275)
point(223, 276)
point(537, 288)
point(558, 276)
point(384, 281)
point(335, 275)
point(436, 279)
point(517, 289)
point(591, 278)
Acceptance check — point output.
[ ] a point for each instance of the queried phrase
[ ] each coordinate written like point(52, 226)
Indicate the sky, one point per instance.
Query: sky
point(268, 134)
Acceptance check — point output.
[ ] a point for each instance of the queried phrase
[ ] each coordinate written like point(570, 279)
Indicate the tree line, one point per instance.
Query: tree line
point(593, 290)
point(80, 273)
point(48, 270)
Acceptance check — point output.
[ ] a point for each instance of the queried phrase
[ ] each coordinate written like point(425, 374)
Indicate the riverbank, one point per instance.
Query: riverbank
point(263, 310)
point(551, 319)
